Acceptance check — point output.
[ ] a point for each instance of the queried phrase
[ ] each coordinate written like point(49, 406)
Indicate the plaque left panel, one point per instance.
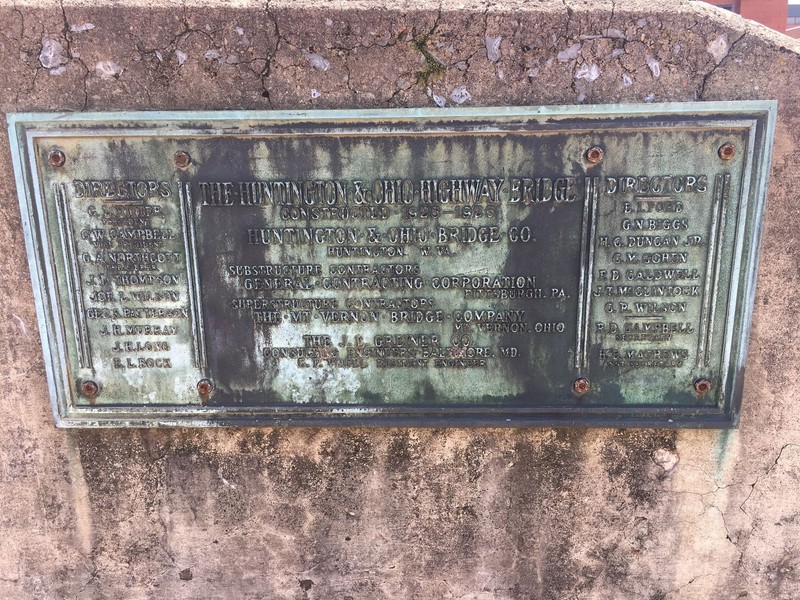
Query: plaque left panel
point(109, 234)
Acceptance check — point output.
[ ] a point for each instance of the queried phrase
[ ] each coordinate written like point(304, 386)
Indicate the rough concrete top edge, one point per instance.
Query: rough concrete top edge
point(639, 6)
point(619, 7)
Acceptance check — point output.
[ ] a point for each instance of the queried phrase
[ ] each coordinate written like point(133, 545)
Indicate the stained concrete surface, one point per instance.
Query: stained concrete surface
point(400, 513)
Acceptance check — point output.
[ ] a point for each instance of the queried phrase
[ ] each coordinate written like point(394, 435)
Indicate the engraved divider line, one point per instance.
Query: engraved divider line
point(711, 272)
point(122, 201)
point(74, 287)
point(192, 275)
point(645, 317)
point(725, 197)
point(587, 268)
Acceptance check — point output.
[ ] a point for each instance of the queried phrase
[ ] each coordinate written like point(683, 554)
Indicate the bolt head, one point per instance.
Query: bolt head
point(89, 388)
point(594, 154)
point(581, 386)
point(205, 387)
point(702, 386)
point(56, 158)
point(182, 159)
point(727, 151)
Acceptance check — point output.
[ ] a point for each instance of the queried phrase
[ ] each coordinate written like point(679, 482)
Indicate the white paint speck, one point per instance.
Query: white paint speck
point(58, 70)
point(493, 47)
point(570, 53)
point(587, 72)
point(224, 481)
point(180, 57)
point(532, 72)
point(51, 56)
point(212, 54)
point(81, 27)
point(159, 56)
point(437, 99)
point(320, 63)
point(655, 68)
point(328, 23)
point(718, 48)
point(650, 97)
point(107, 69)
point(460, 95)
point(21, 324)
point(239, 30)
point(315, 94)
point(626, 80)
point(666, 459)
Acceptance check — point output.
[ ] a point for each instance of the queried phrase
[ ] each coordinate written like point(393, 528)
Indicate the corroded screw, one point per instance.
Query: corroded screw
point(182, 159)
point(205, 387)
point(594, 154)
point(89, 388)
point(702, 386)
point(727, 151)
point(581, 386)
point(56, 158)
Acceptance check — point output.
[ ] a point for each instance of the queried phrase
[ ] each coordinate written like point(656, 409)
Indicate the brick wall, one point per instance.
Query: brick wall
point(771, 13)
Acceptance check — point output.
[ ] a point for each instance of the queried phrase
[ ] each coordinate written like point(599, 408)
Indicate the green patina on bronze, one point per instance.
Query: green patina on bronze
point(559, 266)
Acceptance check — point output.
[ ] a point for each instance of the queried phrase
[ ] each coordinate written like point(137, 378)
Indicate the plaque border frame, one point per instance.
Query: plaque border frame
point(24, 127)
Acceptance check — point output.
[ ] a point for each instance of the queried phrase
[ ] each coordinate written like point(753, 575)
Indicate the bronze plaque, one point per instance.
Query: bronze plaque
point(590, 266)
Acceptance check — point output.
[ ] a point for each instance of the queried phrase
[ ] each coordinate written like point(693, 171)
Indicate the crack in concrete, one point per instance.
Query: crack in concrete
point(611, 16)
point(702, 87)
point(687, 584)
point(767, 472)
point(67, 35)
point(94, 575)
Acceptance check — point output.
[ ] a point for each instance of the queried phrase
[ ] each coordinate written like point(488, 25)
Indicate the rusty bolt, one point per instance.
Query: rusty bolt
point(56, 158)
point(727, 151)
point(205, 387)
point(594, 154)
point(182, 159)
point(89, 388)
point(702, 386)
point(581, 386)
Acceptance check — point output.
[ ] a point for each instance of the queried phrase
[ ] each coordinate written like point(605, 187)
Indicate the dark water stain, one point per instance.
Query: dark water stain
point(627, 458)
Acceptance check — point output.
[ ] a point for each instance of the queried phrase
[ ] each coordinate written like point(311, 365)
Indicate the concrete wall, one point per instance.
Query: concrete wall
point(407, 513)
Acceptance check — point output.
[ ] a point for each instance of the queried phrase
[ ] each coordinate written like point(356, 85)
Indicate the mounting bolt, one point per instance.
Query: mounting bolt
point(727, 151)
point(56, 158)
point(594, 154)
point(89, 388)
point(182, 159)
point(205, 387)
point(702, 386)
point(581, 386)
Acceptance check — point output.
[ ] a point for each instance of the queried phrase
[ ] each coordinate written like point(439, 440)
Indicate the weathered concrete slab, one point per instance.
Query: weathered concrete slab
point(400, 513)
